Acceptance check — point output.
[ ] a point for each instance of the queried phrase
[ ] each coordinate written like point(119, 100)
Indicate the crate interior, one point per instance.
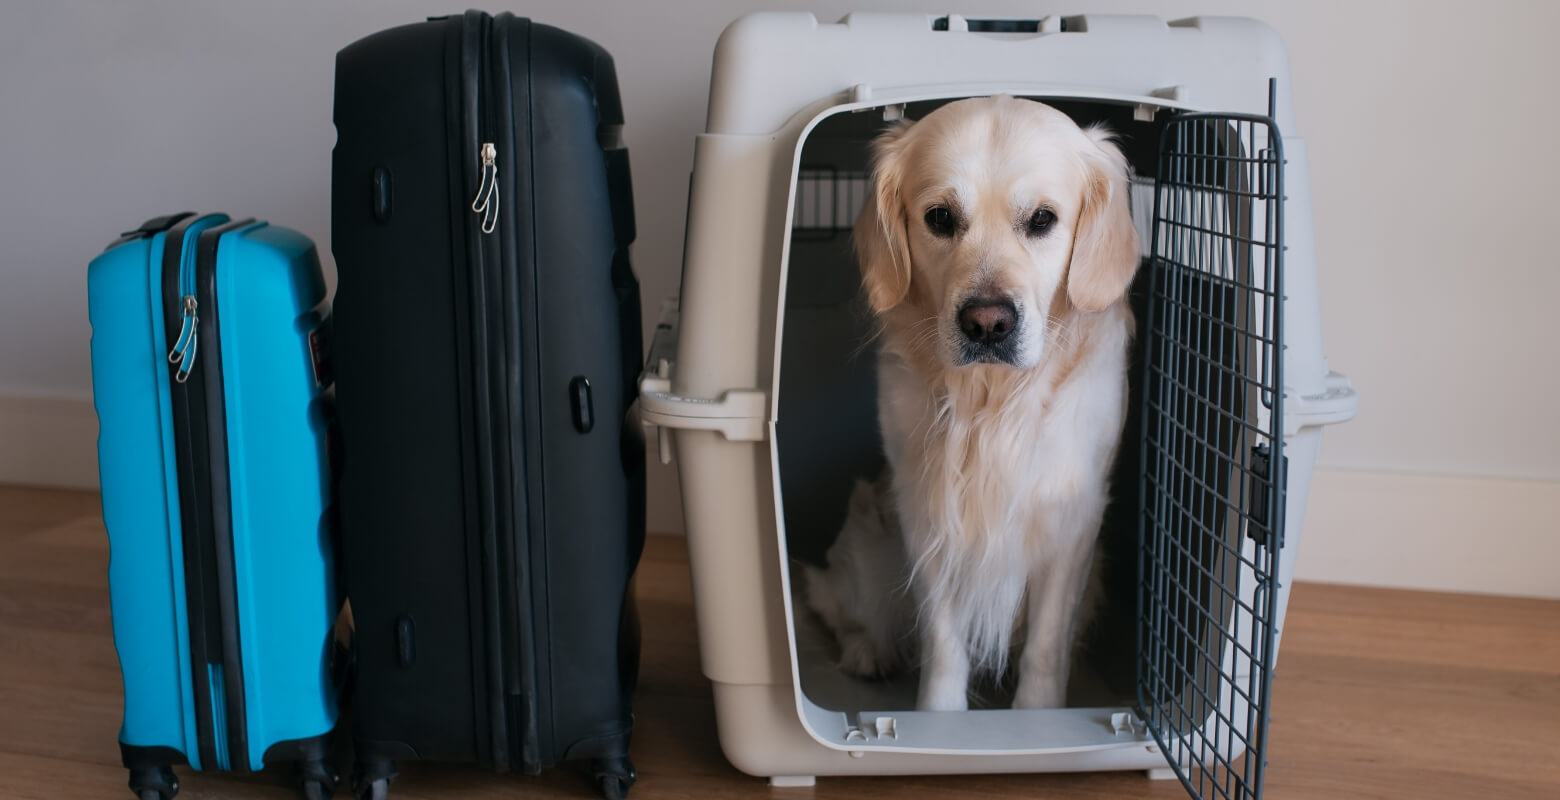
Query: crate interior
point(827, 437)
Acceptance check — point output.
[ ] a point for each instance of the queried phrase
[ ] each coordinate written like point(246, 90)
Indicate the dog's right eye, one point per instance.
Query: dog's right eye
point(940, 221)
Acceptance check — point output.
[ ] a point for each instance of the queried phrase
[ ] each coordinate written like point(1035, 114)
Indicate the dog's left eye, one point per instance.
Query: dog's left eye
point(940, 220)
point(1041, 221)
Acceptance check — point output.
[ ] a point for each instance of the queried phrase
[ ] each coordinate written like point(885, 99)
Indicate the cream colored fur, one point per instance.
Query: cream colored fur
point(998, 472)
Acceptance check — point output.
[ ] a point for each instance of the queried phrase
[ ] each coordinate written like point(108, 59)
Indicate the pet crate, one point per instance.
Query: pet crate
point(760, 381)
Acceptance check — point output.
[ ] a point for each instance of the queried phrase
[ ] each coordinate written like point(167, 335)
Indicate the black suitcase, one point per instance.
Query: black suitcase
point(487, 342)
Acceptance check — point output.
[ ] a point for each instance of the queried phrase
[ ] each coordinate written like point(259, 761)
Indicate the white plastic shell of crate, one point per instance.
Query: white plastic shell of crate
point(775, 76)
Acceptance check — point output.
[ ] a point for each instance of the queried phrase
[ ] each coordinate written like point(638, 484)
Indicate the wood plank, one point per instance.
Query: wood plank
point(26, 509)
point(1449, 629)
point(61, 721)
point(34, 657)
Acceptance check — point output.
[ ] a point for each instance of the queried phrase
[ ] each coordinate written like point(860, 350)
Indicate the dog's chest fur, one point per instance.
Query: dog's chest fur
point(984, 459)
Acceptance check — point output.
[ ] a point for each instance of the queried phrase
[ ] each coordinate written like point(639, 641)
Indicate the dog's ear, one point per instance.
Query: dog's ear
point(1105, 243)
point(882, 229)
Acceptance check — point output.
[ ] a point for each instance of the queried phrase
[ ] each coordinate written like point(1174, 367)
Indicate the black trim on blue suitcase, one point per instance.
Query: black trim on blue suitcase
point(138, 757)
point(200, 445)
point(150, 228)
point(221, 511)
point(191, 463)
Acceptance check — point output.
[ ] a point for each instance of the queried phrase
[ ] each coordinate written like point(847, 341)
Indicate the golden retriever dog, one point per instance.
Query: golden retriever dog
point(996, 250)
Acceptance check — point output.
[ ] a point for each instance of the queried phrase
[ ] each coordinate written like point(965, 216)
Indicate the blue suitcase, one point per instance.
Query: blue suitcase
point(210, 374)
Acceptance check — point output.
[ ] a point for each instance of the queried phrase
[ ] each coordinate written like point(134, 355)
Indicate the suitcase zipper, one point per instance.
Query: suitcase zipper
point(486, 202)
point(184, 348)
point(511, 724)
point(485, 258)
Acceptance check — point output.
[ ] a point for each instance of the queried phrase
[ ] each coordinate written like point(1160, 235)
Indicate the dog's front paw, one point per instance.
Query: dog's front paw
point(944, 695)
point(1036, 691)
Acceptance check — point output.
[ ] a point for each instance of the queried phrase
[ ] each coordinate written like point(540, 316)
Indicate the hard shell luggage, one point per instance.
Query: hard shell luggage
point(488, 335)
point(210, 370)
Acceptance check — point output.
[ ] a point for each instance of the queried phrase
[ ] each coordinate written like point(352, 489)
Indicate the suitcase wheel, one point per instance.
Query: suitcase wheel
point(371, 777)
point(315, 779)
point(377, 789)
point(153, 783)
point(614, 787)
point(614, 776)
point(315, 790)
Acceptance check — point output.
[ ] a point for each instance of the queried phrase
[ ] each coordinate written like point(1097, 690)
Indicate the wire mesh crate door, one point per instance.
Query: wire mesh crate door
point(1212, 452)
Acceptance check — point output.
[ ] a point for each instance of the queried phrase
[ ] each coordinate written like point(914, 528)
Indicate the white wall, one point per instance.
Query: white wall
point(1428, 127)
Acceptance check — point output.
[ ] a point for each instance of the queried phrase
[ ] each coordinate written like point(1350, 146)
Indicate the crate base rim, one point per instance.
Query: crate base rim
point(762, 735)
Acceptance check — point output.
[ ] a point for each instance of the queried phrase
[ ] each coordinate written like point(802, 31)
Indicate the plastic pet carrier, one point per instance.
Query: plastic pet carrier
point(760, 383)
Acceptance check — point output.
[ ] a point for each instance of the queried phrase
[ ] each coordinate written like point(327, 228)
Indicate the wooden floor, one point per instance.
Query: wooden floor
point(1378, 694)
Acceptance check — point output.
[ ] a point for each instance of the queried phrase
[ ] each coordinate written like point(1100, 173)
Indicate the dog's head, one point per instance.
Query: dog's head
point(991, 218)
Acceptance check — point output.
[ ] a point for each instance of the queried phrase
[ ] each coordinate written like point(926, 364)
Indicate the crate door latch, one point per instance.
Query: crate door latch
point(738, 414)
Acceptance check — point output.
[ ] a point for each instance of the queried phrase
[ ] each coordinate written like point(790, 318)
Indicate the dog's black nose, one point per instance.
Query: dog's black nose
point(987, 320)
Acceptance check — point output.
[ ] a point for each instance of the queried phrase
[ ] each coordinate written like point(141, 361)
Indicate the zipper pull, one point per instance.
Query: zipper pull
point(184, 348)
point(486, 203)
